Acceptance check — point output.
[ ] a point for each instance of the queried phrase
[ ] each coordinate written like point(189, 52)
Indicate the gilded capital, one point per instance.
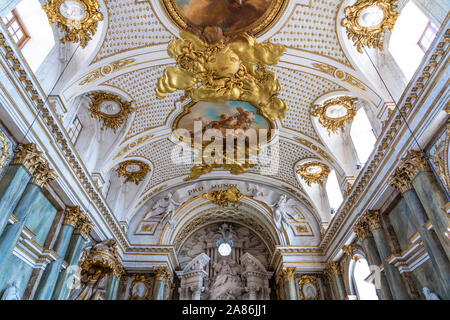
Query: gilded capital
point(413, 163)
point(348, 250)
point(286, 274)
point(28, 156)
point(362, 230)
point(372, 218)
point(331, 269)
point(400, 180)
point(73, 215)
point(162, 274)
point(84, 226)
point(43, 174)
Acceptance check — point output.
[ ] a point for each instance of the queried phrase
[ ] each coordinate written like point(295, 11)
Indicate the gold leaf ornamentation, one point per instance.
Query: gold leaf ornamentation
point(78, 29)
point(370, 35)
point(231, 70)
point(133, 176)
point(308, 280)
point(109, 120)
point(333, 124)
point(4, 149)
point(310, 177)
point(223, 198)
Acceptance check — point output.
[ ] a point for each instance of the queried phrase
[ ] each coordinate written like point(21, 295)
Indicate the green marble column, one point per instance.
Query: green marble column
point(16, 178)
point(333, 273)
point(111, 288)
point(373, 259)
point(73, 255)
point(429, 192)
point(393, 276)
point(162, 274)
point(50, 276)
point(286, 277)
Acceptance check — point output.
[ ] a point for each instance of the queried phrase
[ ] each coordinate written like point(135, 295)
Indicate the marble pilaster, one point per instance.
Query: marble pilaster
point(393, 276)
point(50, 276)
point(162, 275)
point(333, 273)
point(286, 279)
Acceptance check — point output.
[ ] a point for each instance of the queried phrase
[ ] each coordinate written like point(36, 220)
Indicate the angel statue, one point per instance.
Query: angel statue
point(167, 206)
point(281, 212)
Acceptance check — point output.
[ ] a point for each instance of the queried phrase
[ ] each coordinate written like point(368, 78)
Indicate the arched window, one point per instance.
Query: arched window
point(359, 272)
point(412, 36)
point(362, 136)
point(333, 191)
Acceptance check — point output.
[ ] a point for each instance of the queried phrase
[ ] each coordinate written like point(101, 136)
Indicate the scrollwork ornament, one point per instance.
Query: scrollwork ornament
point(223, 198)
point(373, 219)
point(371, 35)
point(133, 176)
point(227, 70)
point(333, 124)
point(109, 120)
point(348, 250)
point(139, 280)
point(308, 280)
point(362, 230)
point(79, 29)
point(313, 177)
point(72, 215)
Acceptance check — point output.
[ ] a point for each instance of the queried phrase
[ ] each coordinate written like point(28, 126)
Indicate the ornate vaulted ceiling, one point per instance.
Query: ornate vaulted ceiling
point(131, 55)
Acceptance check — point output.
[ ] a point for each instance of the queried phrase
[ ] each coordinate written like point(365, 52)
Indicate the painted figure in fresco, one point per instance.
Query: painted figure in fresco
point(12, 293)
point(167, 206)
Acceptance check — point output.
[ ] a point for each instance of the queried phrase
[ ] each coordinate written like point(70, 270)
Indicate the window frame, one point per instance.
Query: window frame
point(433, 29)
point(75, 129)
point(16, 18)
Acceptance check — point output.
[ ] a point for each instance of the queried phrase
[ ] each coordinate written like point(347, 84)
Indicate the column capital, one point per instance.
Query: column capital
point(162, 274)
point(400, 180)
point(286, 274)
point(28, 156)
point(83, 226)
point(413, 163)
point(72, 215)
point(372, 218)
point(348, 250)
point(362, 230)
point(43, 174)
point(332, 268)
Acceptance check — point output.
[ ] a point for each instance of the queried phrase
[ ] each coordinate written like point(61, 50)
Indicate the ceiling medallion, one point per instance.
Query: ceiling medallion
point(231, 16)
point(109, 109)
point(224, 198)
point(366, 20)
point(77, 18)
point(313, 172)
point(335, 113)
point(134, 171)
point(224, 69)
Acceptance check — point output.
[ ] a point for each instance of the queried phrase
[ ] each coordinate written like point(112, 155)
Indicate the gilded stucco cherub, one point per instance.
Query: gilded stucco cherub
point(227, 70)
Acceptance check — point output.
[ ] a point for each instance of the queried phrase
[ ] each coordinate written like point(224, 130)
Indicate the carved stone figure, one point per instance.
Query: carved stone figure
point(281, 212)
point(167, 206)
point(227, 283)
point(429, 295)
point(12, 293)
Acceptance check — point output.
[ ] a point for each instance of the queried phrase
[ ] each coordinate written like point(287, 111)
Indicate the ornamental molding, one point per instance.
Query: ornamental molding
point(83, 226)
point(333, 124)
point(109, 120)
point(224, 198)
point(372, 35)
point(286, 274)
point(331, 269)
point(29, 156)
point(162, 274)
point(400, 180)
point(79, 29)
point(73, 215)
point(306, 280)
point(43, 174)
point(373, 219)
point(313, 177)
point(413, 163)
point(227, 70)
point(349, 249)
point(133, 176)
point(361, 228)
point(140, 279)
point(5, 151)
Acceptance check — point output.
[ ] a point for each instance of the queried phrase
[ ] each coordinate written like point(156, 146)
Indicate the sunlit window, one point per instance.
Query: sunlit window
point(75, 130)
point(333, 191)
point(16, 28)
point(412, 36)
point(365, 290)
point(362, 136)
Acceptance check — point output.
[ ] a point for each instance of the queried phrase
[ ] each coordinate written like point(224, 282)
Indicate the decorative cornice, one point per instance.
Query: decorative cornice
point(73, 215)
point(370, 36)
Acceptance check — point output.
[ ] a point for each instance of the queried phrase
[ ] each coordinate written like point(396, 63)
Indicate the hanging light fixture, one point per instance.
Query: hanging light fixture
point(225, 242)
